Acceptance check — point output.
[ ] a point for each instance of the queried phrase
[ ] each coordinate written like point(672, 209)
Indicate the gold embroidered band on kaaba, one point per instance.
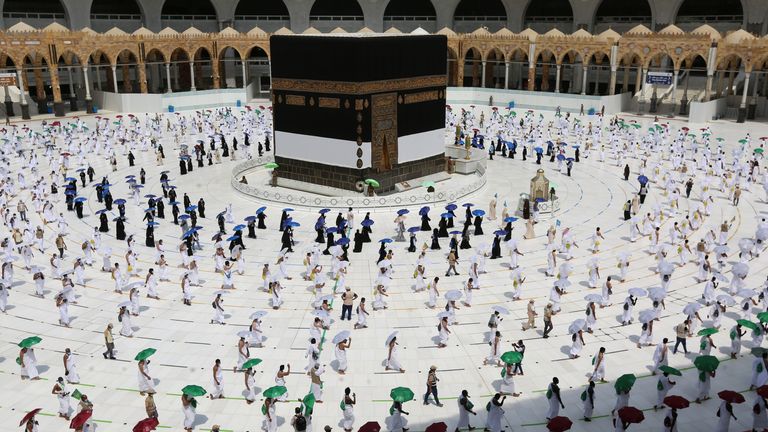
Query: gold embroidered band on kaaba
point(361, 88)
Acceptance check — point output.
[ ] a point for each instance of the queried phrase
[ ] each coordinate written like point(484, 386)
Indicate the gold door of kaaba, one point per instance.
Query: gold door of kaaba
point(383, 131)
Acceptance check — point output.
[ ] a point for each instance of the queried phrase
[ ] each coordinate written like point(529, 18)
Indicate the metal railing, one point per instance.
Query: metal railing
point(624, 19)
point(118, 17)
point(188, 17)
point(709, 18)
point(34, 15)
point(542, 18)
point(480, 18)
point(336, 18)
point(262, 18)
point(409, 18)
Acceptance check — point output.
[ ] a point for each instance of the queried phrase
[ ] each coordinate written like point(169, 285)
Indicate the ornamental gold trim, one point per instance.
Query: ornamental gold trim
point(295, 100)
point(325, 102)
point(361, 88)
point(425, 96)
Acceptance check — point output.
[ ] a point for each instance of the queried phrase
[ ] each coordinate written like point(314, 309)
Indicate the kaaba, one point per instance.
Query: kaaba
point(353, 107)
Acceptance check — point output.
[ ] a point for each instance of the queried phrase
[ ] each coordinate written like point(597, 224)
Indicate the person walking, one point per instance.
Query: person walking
point(682, 331)
point(348, 297)
point(432, 380)
point(109, 342)
point(547, 320)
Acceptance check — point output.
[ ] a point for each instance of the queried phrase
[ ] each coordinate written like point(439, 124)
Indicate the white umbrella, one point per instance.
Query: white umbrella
point(691, 308)
point(124, 304)
point(666, 268)
point(11, 258)
point(657, 293)
point(593, 263)
point(726, 299)
point(746, 244)
point(258, 314)
point(565, 269)
point(577, 325)
point(390, 337)
point(385, 263)
point(320, 313)
point(500, 309)
point(624, 256)
point(762, 234)
point(740, 269)
point(220, 292)
point(453, 295)
point(341, 336)
point(746, 293)
point(67, 272)
point(647, 316)
point(443, 314)
point(562, 283)
point(327, 297)
point(638, 292)
point(335, 250)
point(721, 277)
point(721, 249)
point(594, 298)
point(244, 334)
point(132, 285)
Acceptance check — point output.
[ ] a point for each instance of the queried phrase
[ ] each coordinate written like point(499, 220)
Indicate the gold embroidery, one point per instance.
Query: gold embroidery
point(421, 97)
point(329, 103)
point(295, 100)
point(361, 88)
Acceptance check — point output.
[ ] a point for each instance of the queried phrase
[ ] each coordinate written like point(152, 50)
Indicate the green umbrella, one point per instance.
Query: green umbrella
point(372, 182)
point(144, 354)
point(513, 114)
point(30, 342)
point(76, 394)
point(275, 392)
point(193, 390)
point(251, 363)
point(512, 357)
point(658, 127)
point(271, 165)
point(759, 150)
point(742, 141)
point(427, 184)
point(553, 185)
point(636, 126)
point(748, 324)
point(625, 382)
point(706, 363)
point(401, 394)
point(707, 331)
point(309, 402)
point(670, 370)
point(758, 351)
point(763, 317)
point(692, 135)
point(720, 139)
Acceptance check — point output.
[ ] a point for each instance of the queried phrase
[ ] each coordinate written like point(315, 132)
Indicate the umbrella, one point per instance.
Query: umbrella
point(80, 199)
point(271, 165)
point(559, 424)
point(341, 336)
point(385, 240)
point(676, 402)
point(726, 299)
point(657, 293)
point(342, 241)
point(642, 179)
point(691, 308)
point(244, 334)
point(666, 268)
point(372, 183)
point(414, 229)
point(193, 390)
point(748, 324)
point(670, 370)
point(631, 415)
point(401, 394)
point(293, 224)
point(424, 210)
point(402, 212)
point(124, 304)
point(467, 205)
point(260, 210)
point(593, 298)
point(79, 420)
point(437, 427)
point(746, 293)
point(144, 354)
point(29, 415)
point(707, 331)
point(258, 314)
point(740, 269)
point(625, 383)
point(561, 157)
point(453, 295)
point(512, 357)
point(98, 212)
point(451, 233)
point(30, 342)
point(251, 363)
point(146, 425)
point(577, 325)
point(366, 223)
point(637, 292)
point(500, 232)
point(706, 363)
point(510, 219)
point(538, 150)
point(763, 317)
point(451, 207)
point(371, 426)
point(287, 209)
point(500, 309)
point(275, 392)
point(119, 201)
point(478, 213)
point(731, 396)
point(758, 150)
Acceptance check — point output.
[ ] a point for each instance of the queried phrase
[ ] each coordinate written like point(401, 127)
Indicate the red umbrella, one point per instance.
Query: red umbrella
point(631, 415)
point(371, 426)
point(731, 396)
point(146, 425)
point(676, 402)
point(29, 415)
point(559, 424)
point(79, 420)
point(56, 123)
point(762, 391)
point(437, 427)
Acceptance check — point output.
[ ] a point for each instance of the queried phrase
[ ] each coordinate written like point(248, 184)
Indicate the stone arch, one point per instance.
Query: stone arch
point(544, 80)
point(473, 63)
point(230, 63)
point(729, 67)
point(257, 69)
point(35, 65)
point(126, 71)
point(154, 62)
point(572, 65)
point(495, 68)
point(453, 67)
point(630, 73)
point(37, 14)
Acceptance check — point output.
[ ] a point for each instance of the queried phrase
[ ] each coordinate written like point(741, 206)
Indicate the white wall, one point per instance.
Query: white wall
point(538, 100)
point(328, 151)
point(152, 102)
point(420, 146)
point(702, 112)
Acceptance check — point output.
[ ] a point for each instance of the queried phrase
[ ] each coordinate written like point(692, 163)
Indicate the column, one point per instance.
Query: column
point(532, 76)
point(752, 108)
point(168, 78)
point(544, 77)
point(245, 74)
point(72, 95)
point(684, 100)
point(22, 96)
point(97, 72)
point(743, 106)
point(142, 75)
point(598, 68)
point(216, 69)
point(482, 80)
point(114, 78)
point(557, 78)
point(88, 100)
point(719, 90)
point(506, 75)
point(460, 71)
point(675, 74)
point(192, 75)
point(731, 78)
point(585, 68)
point(58, 105)
point(625, 80)
point(612, 85)
point(708, 88)
point(639, 80)
point(42, 100)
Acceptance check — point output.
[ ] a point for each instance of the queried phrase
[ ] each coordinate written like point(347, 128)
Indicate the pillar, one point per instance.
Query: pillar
point(42, 100)
point(97, 72)
point(88, 99)
point(675, 74)
point(22, 96)
point(585, 68)
point(142, 75)
point(460, 71)
point(612, 84)
point(625, 80)
point(169, 88)
point(532, 76)
point(192, 75)
point(731, 78)
point(598, 68)
point(482, 80)
point(719, 91)
point(114, 78)
point(127, 80)
point(245, 73)
point(743, 106)
point(639, 79)
point(752, 108)
point(58, 105)
point(215, 69)
point(684, 100)
point(506, 75)
point(557, 78)
point(708, 88)
point(72, 95)
point(544, 77)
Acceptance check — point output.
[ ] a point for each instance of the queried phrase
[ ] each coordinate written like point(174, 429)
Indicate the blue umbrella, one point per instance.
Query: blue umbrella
point(446, 216)
point(451, 207)
point(467, 205)
point(293, 224)
point(117, 219)
point(171, 187)
point(366, 223)
point(538, 150)
point(164, 172)
point(191, 208)
point(510, 219)
point(238, 227)
point(500, 232)
point(152, 224)
point(250, 218)
point(331, 230)
point(575, 146)
point(147, 210)
point(130, 176)
point(138, 186)
point(119, 201)
point(70, 179)
point(260, 210)
point(233, 238)
point(102, 211)
point(184, 217)
point(642, 179)
point(69, 192)
point(561, 157)
point(288, 209)
point(150, 196)
point(479, 213)
point(402, 212)
point(455, 232)
point(424, 210)
point(324, 211)
point(189, 233)
point(80, 170)
point(414, 229)
point(102, 185)
point(80, 199)
point(385, 240)
point(173, 203)
point(342, 241)
point(540, 200)
point(570, 159)
point(131, 181)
